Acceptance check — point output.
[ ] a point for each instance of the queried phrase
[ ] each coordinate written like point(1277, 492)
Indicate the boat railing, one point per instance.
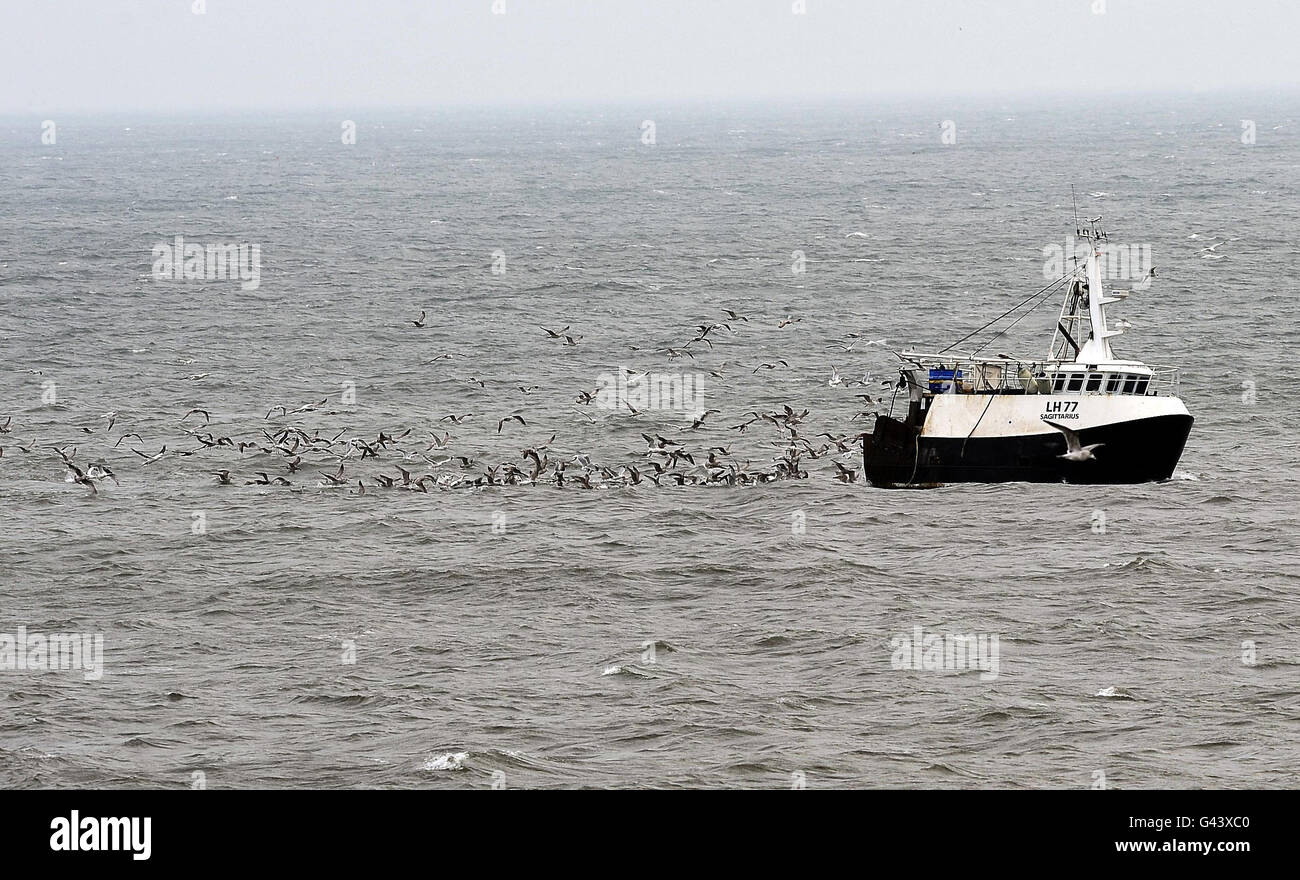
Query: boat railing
point(996, 376)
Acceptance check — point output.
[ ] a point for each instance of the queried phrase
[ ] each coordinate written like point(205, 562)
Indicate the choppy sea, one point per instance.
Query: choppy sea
point(717, 633)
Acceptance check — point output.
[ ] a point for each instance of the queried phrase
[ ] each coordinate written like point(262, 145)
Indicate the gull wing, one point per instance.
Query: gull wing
point(1071, 437)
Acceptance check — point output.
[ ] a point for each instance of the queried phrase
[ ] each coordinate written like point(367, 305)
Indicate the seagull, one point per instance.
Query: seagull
point(835, 378)
point(556, 334)
point(787, 322)
point(734, 316)
point(519, 419)
point(203, 412)
point(1074, 451)
point(81, 478)
point(99, 470)
point(150, 459)
point(420, 321)
point(309, 407)
point(767, 366)
point(538, 465)
point(699, 420)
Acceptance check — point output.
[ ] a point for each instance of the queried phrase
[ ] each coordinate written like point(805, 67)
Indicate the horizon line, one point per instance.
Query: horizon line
point(891, 98)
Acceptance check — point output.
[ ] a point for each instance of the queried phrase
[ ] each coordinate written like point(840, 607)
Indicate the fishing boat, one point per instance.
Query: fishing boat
point(1079, 415)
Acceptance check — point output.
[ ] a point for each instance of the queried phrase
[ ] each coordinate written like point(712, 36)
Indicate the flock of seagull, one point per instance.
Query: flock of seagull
point(285, 451)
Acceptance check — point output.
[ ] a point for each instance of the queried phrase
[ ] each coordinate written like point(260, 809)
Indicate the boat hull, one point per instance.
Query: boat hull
point(1136, 450)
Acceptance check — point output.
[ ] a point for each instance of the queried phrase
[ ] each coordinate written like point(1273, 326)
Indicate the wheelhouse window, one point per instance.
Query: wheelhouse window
point(1111, 383)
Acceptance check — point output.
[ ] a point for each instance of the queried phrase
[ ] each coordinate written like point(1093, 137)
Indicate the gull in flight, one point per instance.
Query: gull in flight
point(501, 424)
point(1074, 451)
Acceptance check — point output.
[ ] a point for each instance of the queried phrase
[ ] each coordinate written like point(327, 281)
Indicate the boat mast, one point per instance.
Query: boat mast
point(1068, 342)
point(1097, 349)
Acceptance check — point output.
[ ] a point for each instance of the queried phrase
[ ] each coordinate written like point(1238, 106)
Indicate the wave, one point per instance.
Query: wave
point(447, 761)
point(628, 670)
point(1114, 693)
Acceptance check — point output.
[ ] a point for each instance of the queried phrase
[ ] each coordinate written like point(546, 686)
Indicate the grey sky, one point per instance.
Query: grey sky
point(106, 55)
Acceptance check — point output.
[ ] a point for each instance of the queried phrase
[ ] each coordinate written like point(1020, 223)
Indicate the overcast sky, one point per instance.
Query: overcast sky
point(107, 55)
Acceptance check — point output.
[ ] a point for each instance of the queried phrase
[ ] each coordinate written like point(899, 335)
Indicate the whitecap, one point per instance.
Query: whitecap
point(449, 761)
point(1115, 692)
point(625, 670)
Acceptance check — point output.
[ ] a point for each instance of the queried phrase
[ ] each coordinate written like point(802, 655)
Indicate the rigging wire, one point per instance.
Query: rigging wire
point(1041, 292)
point(1007, 328)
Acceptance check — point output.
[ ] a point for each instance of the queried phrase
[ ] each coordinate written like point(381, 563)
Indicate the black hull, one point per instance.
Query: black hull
point(1138, 451)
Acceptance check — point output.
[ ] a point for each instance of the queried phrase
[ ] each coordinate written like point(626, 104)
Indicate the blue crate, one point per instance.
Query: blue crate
point(941, 381)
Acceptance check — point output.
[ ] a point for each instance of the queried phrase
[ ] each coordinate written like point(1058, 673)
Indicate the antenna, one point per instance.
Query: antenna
point(1075, 203)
